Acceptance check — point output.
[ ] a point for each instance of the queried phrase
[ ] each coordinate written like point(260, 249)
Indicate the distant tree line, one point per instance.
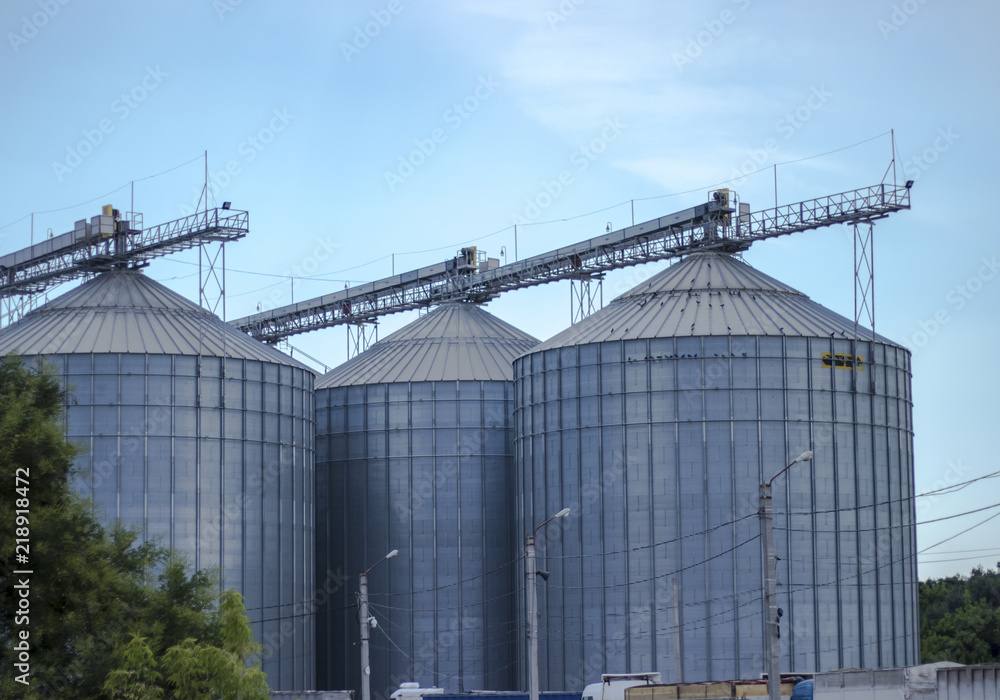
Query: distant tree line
point(960, 618)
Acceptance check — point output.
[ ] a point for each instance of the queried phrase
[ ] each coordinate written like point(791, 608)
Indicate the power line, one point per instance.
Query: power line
point(944, 561)
point(967, 551)
point(755, 172)
point(677, 539)
point(953, 488)
point(462, 670)
point(103, 196)
point(840, 531)
point(454, 583)
point(567, 219)
point(943, 491)
point(654, 544)
point(659, 576)
point(948, 539)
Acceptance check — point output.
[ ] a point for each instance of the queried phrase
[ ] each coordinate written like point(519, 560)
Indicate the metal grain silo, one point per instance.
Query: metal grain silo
point(198, 435)
point(655, 420)
point(414, 452)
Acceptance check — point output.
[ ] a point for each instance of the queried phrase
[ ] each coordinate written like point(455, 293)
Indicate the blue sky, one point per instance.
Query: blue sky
point(390, 132)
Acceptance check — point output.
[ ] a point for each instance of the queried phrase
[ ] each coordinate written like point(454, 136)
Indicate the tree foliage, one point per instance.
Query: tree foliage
point(104, 608)
point(191, 669)
point(960, 618)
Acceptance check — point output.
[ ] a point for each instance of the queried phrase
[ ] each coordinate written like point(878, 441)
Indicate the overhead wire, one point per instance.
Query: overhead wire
point(517, 559)
point(945, 561)
point(782, 589)
point(103, 196)
point(449, 676)
point(943, 491)
point(562, 220)
point(654, 544)
point(839, 531)
point(663, 575)
point(949, 539)
point(753, 599)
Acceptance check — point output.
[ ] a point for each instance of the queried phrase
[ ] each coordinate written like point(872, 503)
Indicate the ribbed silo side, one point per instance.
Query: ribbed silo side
point(210, 451)
point(423, 468)
point(655, 421)
point(414, 445)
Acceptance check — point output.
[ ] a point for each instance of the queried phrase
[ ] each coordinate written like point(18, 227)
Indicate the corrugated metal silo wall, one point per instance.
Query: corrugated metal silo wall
point(228, 482)
point(426, 468)
point(659, 447)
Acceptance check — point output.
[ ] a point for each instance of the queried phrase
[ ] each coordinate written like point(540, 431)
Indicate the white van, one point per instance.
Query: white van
point(413, 691)
point(613, 685)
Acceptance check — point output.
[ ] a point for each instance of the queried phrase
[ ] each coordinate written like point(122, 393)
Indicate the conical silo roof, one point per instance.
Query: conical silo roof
point(709, 294)
point(455, 341)
point(124, 311)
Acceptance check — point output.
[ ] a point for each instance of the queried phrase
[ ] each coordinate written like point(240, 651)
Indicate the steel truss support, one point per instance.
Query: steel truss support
point(711, 226)
point(586, 296)
point(360, 336)
point(212, 278)
point(864, 276)
point(13, 308)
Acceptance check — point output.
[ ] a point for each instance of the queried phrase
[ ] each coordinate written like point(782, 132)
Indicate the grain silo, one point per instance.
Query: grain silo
point(655, 420)
point(199, 435)
point(414, 452)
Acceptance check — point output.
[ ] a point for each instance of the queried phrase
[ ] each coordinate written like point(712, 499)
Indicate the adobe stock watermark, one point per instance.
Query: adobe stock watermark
point(250, 147)
point(317, 602)
point(581, 158)
point(453, 117)
point(224, 7)
point(787, 126)
point(324, 248)
point(957, 298)
point(423, 486)
point(610, 654)
point(714, 28)
point(30, 26)
point(919, 164)
point(953, 475)
point(565, 10)
point(122, 106)
point(368, 32)
point(448, 634)
point(899, 16)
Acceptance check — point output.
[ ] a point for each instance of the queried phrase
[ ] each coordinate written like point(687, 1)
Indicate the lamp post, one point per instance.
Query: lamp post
point(366, 672)
point(531, 573)
point(771, 632)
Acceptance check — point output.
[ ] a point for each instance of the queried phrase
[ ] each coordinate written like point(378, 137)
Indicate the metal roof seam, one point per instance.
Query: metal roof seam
point(126, 312)
point(452, 342)
point(708, 294)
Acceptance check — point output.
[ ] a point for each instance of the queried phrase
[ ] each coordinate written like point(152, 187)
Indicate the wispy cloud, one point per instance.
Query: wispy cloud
point(571, 73)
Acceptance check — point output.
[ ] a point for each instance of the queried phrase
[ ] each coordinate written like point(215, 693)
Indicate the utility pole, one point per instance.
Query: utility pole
point(531, 581)
point(529, 567)
point(771, 651)
point(366, 671)
point(678, 661)
point(771, 610)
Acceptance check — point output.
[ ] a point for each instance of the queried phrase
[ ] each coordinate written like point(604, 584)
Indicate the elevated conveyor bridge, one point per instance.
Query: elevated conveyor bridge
point(722, 223)
point(106, 242)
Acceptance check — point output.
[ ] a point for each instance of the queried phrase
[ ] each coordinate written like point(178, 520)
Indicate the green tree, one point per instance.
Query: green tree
point(138, 677)
point(960, 618)
point(91, 589)
point(193, 670)
point(970, 635)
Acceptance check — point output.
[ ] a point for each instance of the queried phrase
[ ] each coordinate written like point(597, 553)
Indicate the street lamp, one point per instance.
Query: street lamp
point(531, 573)
point(366, 671)
point(771, 631)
